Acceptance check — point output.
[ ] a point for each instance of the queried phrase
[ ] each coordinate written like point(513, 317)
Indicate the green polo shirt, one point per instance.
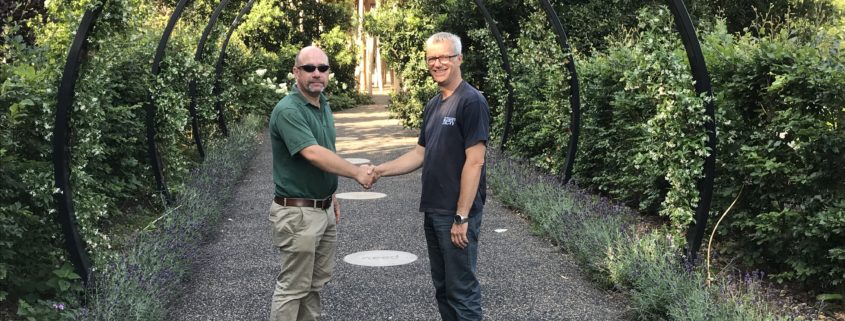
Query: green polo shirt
point(294, 125)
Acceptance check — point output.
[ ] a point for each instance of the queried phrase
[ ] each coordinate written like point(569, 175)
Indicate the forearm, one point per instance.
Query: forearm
point(470, 178)
point(328, 161)
point(406, 163)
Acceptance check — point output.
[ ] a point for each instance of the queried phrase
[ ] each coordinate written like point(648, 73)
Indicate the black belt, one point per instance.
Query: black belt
point(303, 202)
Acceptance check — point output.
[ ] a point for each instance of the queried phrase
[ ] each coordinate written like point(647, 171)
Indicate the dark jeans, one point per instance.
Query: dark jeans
point(453, 269)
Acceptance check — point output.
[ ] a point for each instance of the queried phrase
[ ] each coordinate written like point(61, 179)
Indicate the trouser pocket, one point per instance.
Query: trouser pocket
point(286, 223)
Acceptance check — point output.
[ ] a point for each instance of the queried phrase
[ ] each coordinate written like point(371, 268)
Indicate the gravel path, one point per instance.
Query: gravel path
point(522, 276)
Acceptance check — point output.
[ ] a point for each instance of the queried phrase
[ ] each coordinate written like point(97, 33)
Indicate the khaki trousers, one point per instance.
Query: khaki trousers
point(306, 238)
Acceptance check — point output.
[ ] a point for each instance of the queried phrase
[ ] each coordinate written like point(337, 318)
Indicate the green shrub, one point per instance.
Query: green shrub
point(622, 253)
point(782, 138)
point(138, 282)
point(113, 189)
point(642, 140)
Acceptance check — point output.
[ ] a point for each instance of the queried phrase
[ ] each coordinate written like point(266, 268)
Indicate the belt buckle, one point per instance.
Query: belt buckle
point(315, 203)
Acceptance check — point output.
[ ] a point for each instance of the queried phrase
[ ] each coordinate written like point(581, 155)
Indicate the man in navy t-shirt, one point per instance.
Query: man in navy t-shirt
point(451, 150)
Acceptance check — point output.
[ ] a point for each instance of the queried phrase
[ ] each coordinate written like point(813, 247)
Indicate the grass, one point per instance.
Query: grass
point(621, 251)
point(138, 280)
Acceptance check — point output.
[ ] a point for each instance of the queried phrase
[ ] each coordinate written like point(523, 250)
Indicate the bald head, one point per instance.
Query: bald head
point(310, 53)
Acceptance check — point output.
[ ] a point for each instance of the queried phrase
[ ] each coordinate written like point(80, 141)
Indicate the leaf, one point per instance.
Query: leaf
point(824, 297)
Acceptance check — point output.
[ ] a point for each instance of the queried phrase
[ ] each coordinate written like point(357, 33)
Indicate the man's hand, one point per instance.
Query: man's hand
point(376, 172)
point(365, 177)
point(459, 235)
point(336, 209)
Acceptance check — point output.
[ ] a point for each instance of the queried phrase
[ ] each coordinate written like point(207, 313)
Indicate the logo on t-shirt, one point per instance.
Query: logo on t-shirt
point(448, 121)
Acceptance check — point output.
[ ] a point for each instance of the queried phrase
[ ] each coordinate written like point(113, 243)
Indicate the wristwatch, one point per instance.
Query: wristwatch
point(459, 219)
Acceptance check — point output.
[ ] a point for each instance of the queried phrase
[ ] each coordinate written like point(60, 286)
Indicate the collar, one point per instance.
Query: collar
point(298, 94)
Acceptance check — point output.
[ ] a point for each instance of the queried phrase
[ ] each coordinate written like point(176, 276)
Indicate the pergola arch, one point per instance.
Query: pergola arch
point(61, 131)
point(192, 86)
point(152, 147)
point(63, 197)
point(698, 68)
point(218, 67)
point(61, 141)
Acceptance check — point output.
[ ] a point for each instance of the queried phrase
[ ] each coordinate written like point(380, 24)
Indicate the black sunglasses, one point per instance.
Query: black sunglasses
point(311, 68)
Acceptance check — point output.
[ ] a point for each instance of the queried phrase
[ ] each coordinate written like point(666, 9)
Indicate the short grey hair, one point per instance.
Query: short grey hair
point(443, 37)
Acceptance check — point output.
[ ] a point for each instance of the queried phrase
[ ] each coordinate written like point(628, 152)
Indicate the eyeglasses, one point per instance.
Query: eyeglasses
point(311, 68)
point(441, 59)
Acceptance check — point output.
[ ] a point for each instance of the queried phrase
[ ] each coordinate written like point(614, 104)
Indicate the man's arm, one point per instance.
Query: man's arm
point(330, 162)
point(404, 164)
point(470, 178)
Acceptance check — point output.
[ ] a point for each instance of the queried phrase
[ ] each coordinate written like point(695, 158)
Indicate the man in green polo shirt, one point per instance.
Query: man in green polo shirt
point(304, 212)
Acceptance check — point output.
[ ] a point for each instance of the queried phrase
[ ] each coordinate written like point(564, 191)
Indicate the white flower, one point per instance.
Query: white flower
point(782, 135)
point(261, 72)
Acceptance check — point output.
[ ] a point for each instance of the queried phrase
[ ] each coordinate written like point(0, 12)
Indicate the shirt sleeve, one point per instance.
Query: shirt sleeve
point(294, 130)
point(475, 121)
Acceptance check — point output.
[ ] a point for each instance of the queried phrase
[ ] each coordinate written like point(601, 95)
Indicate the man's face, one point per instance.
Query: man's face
point(309, 77)
point(443, 64)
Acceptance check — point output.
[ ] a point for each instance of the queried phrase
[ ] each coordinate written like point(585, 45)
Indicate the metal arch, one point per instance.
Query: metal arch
point(702, 85)
point(192, 86)
point(61, 139)
point(506, 65)
point(221, 115)
point(152, 148)
point(574, 91)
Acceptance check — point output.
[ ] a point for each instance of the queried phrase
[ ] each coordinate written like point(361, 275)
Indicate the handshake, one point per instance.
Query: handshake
point(367, 175)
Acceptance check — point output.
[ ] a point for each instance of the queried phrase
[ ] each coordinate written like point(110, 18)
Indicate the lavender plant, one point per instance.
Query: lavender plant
point(621, 252)
point(138, 282)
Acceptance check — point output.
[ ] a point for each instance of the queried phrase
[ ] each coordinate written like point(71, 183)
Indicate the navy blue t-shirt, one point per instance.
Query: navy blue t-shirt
point(449, 127)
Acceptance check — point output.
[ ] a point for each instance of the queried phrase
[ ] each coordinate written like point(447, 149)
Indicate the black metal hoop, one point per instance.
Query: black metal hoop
point(152, 148)
point(702, 85)
point(61, 140)
point(192, 86)
point(218, 68)
point(506, 65)
point(574, 91)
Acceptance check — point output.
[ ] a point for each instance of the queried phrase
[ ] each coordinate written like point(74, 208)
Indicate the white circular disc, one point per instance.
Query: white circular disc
point(360, 195)
point(380, 258)
point(358, 161)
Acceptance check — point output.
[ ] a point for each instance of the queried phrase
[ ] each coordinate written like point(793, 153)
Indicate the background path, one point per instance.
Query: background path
point(522, 276)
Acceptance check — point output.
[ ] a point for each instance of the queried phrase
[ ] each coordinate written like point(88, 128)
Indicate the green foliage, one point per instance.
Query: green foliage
point(110, 173)
point(782, 136)
point(403, 26)
point(589, 23)
point(68, 289)
point(618, 253)
point(274, 25)
point(137, 282)
point(642, 138)
point(399, 31)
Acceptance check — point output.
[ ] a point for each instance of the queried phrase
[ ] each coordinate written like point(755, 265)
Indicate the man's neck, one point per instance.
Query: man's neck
point(449, 89)
point(315, 100)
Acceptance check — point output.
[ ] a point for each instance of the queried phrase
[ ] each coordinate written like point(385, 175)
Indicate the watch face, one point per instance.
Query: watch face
point(460, 219)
